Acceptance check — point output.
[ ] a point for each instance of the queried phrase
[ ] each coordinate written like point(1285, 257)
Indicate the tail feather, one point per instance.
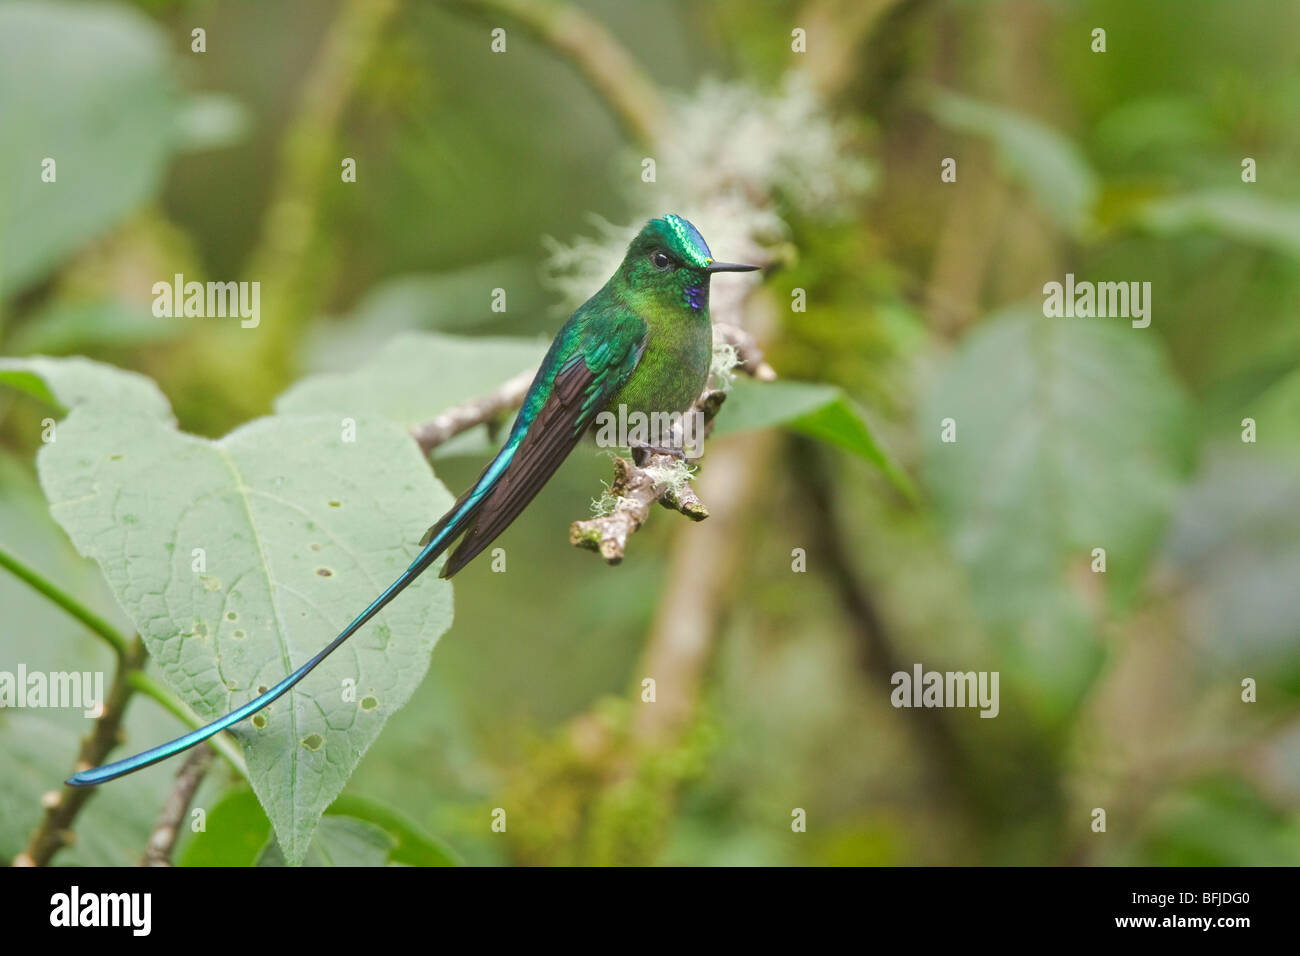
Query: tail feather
point(435, 541)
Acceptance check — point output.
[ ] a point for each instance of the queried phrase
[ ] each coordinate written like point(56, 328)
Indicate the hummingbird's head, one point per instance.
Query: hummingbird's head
point(670, 261)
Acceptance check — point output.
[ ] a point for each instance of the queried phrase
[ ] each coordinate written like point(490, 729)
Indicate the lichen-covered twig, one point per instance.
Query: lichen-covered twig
point(158, 851)
point(634, 489)
point(747, 350)
point(638, 486)
point(461, 418)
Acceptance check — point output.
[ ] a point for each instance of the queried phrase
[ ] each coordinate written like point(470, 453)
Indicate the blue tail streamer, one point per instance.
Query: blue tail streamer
point(111, 771)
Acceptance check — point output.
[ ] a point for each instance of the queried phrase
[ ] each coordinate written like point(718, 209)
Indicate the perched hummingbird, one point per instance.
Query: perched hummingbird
point(644, 341)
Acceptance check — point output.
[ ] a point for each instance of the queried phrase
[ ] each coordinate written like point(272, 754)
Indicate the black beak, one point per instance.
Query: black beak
point(730, 267)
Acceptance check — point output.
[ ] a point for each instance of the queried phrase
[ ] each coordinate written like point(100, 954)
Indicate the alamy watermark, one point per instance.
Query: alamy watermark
point(83, 689)
point(129, 910)
point(659, 431)
point(210, 300)
point(1102, 300)
point(922, 688)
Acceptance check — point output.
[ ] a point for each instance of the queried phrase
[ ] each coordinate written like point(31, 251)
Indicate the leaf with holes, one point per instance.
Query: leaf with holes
point(238, 559)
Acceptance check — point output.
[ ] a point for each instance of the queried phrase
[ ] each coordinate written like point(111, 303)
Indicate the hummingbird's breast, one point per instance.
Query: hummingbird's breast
point(674, 367)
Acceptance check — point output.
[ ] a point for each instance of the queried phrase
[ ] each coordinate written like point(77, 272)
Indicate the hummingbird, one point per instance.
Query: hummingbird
point(643, 343)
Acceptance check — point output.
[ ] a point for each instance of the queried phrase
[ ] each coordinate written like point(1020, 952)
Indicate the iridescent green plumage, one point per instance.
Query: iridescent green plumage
point(643, 341)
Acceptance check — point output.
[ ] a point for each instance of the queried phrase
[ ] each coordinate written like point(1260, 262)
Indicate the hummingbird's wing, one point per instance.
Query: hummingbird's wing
point(593, 356)
point(605, 351)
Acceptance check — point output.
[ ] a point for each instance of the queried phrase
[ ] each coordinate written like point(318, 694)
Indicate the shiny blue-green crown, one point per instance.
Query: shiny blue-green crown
point(685, 240)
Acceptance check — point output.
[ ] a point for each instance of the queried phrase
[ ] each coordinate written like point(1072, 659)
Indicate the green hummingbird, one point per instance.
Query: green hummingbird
point(643, 342)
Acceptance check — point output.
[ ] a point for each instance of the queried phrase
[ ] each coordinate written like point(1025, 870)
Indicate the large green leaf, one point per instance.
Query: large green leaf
point(300, 530)
point(823, 412)
point(1071, 435)
point(88, 86)
point(415, 376)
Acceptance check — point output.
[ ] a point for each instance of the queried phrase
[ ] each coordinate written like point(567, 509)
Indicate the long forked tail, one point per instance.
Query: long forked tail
point(435, 543)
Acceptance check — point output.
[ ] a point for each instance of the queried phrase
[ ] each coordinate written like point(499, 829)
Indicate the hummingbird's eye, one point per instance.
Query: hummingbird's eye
point(661, 260)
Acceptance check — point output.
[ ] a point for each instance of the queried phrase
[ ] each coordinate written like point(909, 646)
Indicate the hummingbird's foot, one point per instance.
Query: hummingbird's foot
point(641, 452)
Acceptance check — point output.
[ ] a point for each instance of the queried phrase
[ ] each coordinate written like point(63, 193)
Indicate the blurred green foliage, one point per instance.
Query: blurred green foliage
point(1120, 690)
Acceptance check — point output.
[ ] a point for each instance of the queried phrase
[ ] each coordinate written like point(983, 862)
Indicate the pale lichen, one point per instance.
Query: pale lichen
point(672, 475)
point(722, 369)
point(728, 143)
